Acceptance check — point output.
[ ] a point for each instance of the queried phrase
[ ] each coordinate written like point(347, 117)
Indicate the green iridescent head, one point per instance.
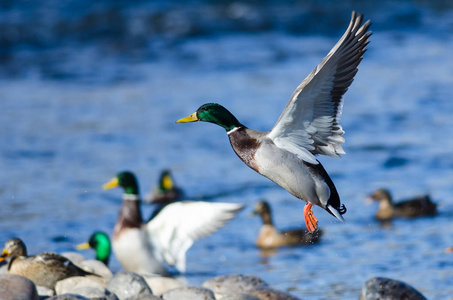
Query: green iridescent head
point(100, 242)
point(126, 180)
point(213, 113)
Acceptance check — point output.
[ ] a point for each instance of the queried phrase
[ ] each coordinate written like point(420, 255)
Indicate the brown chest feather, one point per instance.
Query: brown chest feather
point(245, 146)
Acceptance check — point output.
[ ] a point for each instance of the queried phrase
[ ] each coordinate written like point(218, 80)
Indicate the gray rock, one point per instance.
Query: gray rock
point(128, 284)
point(267, 293)
point(16, 287)
point(92, 292)
point(159, 285)
point(239, 296)
point(189, 293)
point(4, 266)
point(144, 297)
point(67, 297)
point(67, 286)
point(388, 289)
point(239, 283)
point(96, 267)
point(75, 257)
point(44, 291)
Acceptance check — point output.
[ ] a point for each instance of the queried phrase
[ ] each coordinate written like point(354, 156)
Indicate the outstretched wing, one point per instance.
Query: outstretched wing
point(179, 224)
point(310, 122)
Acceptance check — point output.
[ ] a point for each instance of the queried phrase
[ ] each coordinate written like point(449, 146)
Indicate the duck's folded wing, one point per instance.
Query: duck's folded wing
point(310, 122)
point(179, 224)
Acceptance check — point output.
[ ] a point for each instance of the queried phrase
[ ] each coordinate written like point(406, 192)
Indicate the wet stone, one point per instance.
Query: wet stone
point(388, 289)
point(160, 285)
point(68, 285)
point(44, 291)
point(267, 293)
point(128, 284)
point(16, 287)
point(92, 292)
point(239, 283)
point(144, 297)
point(96, 267)
point(189, 293)
point(67, 297)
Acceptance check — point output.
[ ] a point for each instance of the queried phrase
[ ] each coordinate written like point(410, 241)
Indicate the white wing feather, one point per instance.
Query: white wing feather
point(173, 231)
point(310, 122)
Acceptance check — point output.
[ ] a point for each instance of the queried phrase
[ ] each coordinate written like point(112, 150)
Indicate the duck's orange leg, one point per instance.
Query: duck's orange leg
point(310, 219)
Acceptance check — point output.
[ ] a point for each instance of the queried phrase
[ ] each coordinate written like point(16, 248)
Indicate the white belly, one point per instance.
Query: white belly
point(135, 254)
point(289, 172)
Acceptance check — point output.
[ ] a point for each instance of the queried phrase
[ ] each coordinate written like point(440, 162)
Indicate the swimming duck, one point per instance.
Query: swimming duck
point(309, 125)
point(164, 240)
point(269, 237)
point(43, 269)
point(100, 242)
point(165, 192)
point(416, 207)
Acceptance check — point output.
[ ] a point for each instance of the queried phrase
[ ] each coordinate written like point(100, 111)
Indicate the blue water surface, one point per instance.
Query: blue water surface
point(88, 90)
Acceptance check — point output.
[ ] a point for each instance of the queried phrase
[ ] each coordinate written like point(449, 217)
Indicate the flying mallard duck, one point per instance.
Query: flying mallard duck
point(269, 237)
point(165, 192)
point(309, 125)
point(100, 242)
point(164, 240)
point(43, 269)
point(416, 207)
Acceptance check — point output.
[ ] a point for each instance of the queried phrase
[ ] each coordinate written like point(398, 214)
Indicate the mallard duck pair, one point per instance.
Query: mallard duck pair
point(309, 125)
point(270, 237)
point(43, 269)
point(415, 207)
point(164, 240)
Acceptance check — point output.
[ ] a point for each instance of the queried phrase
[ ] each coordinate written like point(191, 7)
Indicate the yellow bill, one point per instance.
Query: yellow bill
point(4, 255)
point(83, 246)
point(191, 118)
point(111, 184)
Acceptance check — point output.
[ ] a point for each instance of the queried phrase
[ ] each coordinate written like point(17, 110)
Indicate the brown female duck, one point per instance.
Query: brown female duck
point(269, 237)
point(416, 207)
point(43, 269)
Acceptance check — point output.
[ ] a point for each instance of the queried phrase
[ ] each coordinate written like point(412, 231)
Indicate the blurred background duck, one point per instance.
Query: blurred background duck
point(411, 208)
point(269, 237)
point(164, 240)
point(43, 269)
point(165, 192)
point(100, 242)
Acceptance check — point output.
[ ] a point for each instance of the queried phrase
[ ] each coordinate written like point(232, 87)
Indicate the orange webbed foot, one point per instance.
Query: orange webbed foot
point(310, 220)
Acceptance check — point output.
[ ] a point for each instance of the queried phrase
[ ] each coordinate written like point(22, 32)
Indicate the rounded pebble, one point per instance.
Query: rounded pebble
point(67, 297)
point(189, 293)
point(45, 291)
point(239, 296)
point(240, 283)
point(4, 266)
point(16, 287)
point(127, 284)
point(160, 285)
point(267, 293)
point(388, 289)
point(75, 257)
point(144, 297)
point(92, 292)
point(66, 286)
point(96, 267)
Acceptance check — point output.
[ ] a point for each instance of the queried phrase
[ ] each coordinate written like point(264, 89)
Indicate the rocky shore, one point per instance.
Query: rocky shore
point(131, 286)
